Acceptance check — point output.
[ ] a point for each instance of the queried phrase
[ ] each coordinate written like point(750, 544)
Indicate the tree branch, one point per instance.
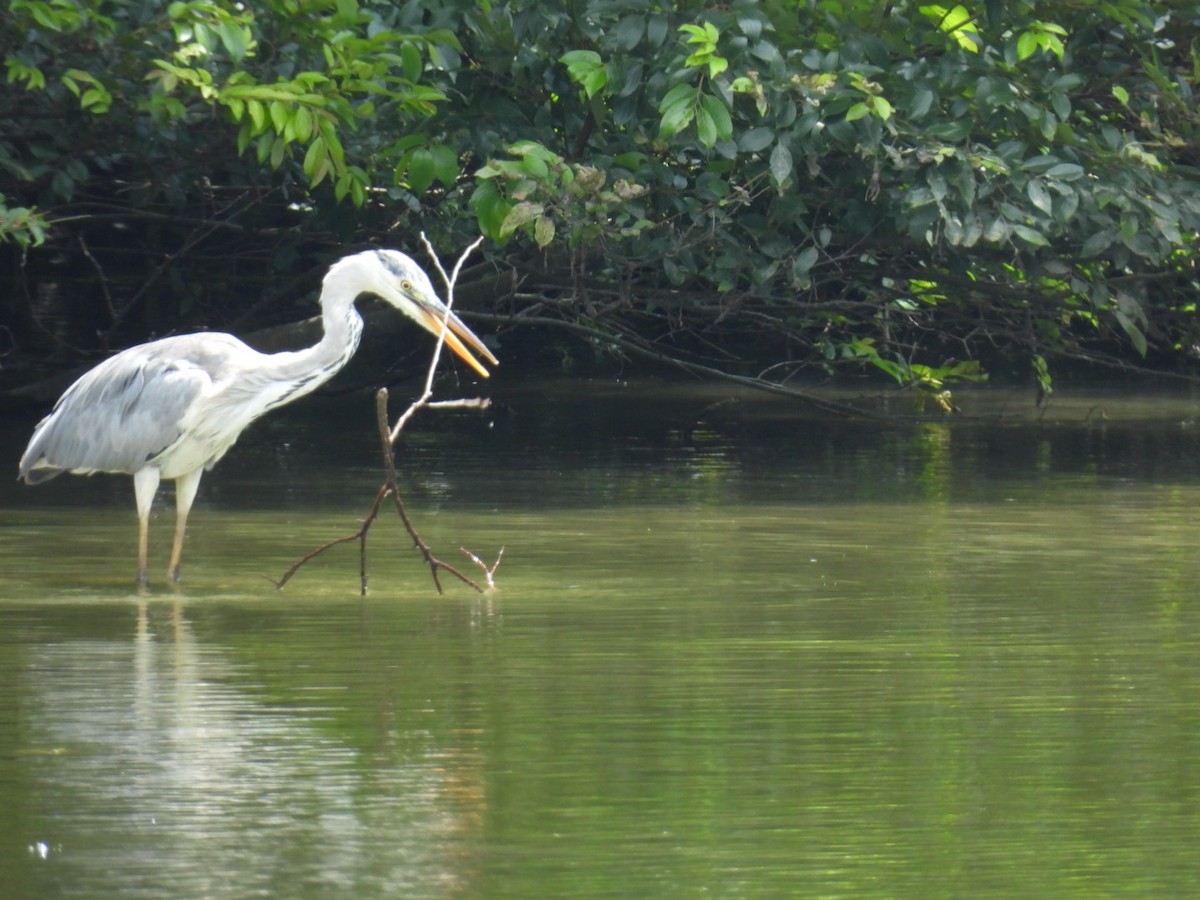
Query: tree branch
point(388, 434)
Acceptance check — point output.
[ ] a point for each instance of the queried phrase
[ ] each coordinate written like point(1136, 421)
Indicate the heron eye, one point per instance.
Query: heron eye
point(406, 285)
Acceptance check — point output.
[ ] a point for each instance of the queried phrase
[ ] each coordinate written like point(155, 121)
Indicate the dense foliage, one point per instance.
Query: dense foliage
point(760, 188)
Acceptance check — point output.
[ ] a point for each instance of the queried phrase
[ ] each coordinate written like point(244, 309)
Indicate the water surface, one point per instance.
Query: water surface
point(735, 651)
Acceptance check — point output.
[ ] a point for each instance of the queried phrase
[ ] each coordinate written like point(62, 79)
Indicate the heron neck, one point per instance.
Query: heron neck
point(303, 371)
point(342, 331)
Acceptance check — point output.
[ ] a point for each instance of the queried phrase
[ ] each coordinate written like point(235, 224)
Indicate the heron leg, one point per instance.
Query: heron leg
point(145, 483)
point(185, 493)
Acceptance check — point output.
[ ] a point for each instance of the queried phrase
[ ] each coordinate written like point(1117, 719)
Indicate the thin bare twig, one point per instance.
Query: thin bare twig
point(464, 403)
point(360, 535)
point(449, 280)
point(489, 571)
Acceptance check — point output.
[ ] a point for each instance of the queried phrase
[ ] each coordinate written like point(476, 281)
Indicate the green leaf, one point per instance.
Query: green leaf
point(1049, 125)
point(445, 164)
point(543, 231)
point(521, 214)
point(680, 95)
point(997, 231)
point(628, 32)
point(535, 165)
point(717, 65)
point(1065, 172)
point(63, 185)
point(302, 123)
point(781, 165)
point(421, 170)
point(280, 114)
point(316, 153)
point(580, 60)
point(264, 146)
point(804, 261)
point(756, 139)
point(706, 129)
point(1136, 336)
point(491, 209)
point(1030, 235)
point(956, 22)
point(1027, 45)
point(411, 61)
point(678, 108)
point(719, 114)
point(858, 111)
point(587, 69)
point(236, 40)
point(95, 100)
point(1061, 105)
point(1039, 196)
point(1066, 207)
point(1096, 244)
point(316, 161)
point(922, 102)
point(258, 115)
point(952, 131)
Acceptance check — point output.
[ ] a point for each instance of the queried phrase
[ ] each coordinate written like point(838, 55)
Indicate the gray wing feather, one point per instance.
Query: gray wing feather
point(127, 410)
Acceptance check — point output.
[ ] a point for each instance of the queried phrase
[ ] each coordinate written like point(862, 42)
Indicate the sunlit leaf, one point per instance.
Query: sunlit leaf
point(521, 214)
point(543, 231)
point(858, 111)
point(719, 114)
point(1065, 172)
point(1039, 196)
point(491, 209)
point(706, 129)
point(805, 260)
point(313, 157)
point(445, 164)
point(421, 169)
point(1030, 235)
point(781, 164)
point(1027, 45)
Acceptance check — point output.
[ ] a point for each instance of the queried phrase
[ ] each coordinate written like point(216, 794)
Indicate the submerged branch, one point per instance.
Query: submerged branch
point(360, 536)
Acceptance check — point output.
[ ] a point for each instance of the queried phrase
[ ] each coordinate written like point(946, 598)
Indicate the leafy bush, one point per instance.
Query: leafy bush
point(757, 188)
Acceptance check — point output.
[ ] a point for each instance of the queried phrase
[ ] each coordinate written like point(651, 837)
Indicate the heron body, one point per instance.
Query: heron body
point(173, 407)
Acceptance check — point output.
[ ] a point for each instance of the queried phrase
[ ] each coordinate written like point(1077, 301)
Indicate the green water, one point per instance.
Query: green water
point(758, 655)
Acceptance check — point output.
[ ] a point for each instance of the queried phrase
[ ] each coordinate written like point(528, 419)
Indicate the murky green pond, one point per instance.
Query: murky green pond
point(735, 651)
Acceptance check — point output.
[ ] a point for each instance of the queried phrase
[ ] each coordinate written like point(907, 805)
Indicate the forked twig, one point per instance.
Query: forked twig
point(388, 434)
point(449, 281)
point(489, 571)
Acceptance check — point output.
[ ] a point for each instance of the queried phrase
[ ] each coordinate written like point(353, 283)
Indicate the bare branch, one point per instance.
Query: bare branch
point(489, 571)
point(360, 535)
point(441, 341)
point(388, 434)
point(464, 403)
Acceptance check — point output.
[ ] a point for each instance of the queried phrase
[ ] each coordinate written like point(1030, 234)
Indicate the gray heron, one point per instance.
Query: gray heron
point(171, 408)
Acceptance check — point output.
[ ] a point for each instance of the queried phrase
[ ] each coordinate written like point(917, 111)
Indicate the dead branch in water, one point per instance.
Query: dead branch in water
point(389, 433)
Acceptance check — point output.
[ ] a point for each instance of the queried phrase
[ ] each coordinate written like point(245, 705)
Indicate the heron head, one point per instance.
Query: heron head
point(396, 278)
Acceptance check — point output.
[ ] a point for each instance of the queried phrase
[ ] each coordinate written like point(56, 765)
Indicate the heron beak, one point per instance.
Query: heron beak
point(457, 334)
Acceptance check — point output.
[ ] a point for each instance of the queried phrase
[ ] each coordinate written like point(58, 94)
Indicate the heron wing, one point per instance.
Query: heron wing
point(129, 409)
